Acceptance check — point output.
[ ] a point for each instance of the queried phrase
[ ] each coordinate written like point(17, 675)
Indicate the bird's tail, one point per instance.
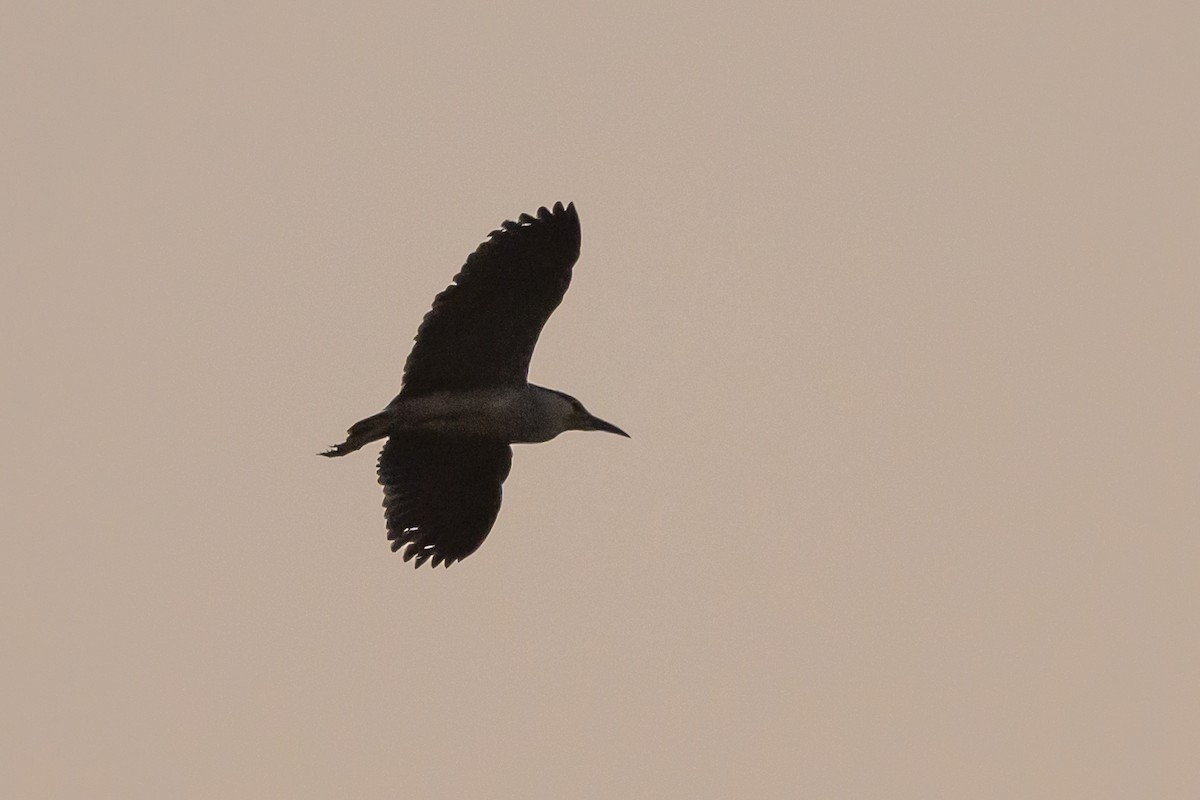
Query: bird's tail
point(361, 433)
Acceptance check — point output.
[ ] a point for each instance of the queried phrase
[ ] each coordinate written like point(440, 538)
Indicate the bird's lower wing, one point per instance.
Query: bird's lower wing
point(441, 494)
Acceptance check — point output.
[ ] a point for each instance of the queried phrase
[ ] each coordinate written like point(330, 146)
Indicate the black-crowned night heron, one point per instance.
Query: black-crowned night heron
point(465, 395)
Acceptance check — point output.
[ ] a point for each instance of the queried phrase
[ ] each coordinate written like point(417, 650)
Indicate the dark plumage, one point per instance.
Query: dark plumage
point(441, 495)
point(465, 396)
point(482, 328)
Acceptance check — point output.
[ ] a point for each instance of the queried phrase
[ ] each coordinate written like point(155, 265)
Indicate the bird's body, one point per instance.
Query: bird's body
point(521, 415)
point(465, 396)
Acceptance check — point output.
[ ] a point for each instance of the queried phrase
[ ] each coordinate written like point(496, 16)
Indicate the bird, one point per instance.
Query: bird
point(465, 396)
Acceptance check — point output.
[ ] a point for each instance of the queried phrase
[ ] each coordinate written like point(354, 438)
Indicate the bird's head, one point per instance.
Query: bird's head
point(577, 418)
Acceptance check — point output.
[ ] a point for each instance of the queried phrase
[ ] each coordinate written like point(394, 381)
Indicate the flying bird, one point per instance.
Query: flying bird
point(465, 396)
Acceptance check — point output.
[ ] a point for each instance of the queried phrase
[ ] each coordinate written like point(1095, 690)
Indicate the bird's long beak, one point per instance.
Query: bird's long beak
point(596, 424)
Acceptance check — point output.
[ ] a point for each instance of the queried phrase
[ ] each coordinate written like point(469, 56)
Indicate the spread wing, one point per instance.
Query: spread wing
point(441, 494)
point(482, 329)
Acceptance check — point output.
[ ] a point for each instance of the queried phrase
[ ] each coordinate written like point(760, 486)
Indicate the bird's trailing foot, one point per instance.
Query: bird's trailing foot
point(338, 450)
point(362, 432)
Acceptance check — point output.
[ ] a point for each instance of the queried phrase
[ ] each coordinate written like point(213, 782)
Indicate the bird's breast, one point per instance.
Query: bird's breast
point(501, 414)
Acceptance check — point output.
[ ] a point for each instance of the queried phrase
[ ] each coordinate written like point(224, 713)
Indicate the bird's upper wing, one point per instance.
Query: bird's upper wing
point(441, 494)
point(482, 329)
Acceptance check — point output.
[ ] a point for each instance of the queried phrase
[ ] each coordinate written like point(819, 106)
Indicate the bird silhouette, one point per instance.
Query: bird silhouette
point(465, 396)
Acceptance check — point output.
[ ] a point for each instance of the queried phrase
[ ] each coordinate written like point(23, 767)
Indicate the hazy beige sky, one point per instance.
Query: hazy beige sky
point(898, 302)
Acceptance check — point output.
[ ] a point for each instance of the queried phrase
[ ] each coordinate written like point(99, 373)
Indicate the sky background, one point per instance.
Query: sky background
point(898, 302)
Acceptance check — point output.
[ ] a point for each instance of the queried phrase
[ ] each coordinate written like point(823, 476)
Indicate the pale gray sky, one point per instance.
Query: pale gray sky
point(898, 303)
